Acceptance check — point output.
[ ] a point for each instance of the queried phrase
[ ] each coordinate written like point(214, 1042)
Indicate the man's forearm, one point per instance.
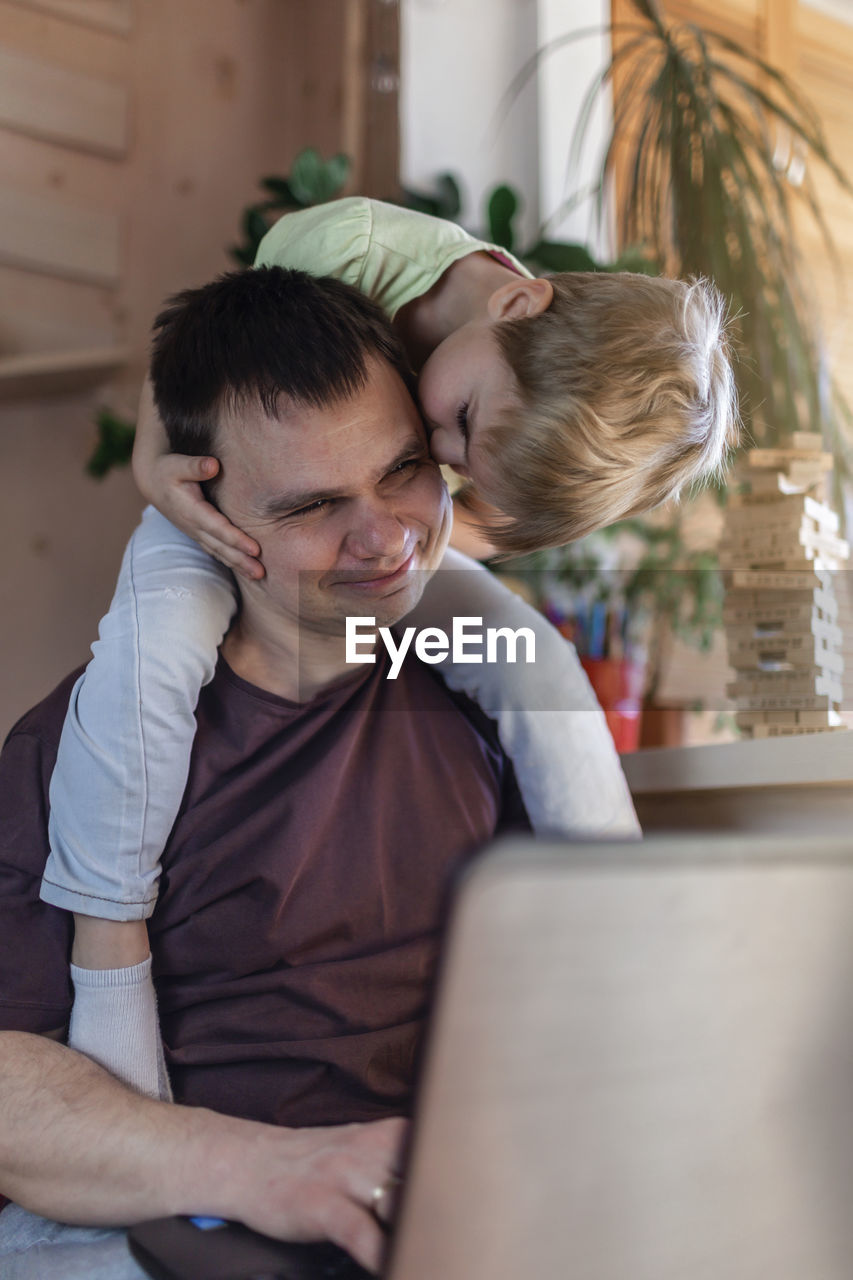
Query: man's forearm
point(78, 1146)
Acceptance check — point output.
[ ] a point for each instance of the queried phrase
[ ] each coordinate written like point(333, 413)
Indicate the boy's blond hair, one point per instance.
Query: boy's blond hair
point(628, 396)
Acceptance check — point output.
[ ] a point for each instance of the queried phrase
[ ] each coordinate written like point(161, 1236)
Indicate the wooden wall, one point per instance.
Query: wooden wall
point(132, 134)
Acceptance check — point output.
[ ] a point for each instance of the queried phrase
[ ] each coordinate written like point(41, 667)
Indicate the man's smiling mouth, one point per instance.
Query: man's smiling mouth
point(381, 578)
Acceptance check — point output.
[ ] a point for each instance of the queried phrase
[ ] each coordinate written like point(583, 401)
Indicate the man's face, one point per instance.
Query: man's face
point(350, 511)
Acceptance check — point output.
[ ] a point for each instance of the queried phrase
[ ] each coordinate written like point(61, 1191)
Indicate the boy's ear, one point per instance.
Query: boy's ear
point(520, 298)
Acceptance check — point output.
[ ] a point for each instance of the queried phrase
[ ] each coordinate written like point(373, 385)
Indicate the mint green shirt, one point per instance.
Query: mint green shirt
point(390, 254)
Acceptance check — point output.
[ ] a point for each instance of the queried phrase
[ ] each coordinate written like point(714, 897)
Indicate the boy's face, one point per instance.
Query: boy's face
point(463, 388)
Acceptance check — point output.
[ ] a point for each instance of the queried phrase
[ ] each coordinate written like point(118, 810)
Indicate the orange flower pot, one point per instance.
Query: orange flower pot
point(618, 684)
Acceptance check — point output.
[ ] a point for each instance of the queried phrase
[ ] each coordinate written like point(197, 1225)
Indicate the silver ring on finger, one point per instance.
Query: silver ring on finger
point(383, 1196)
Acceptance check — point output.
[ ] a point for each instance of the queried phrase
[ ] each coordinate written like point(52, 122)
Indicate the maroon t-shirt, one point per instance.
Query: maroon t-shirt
point(303, 885)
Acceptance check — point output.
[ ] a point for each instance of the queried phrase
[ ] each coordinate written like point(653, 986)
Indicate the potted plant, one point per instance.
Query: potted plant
point(692, 157)
point(621, 596)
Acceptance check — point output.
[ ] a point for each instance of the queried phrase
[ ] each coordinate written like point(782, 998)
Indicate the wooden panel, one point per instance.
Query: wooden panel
point(814, 760)
point(370, 118)
point(825, 47)
point(809, 811)
point(778, 42)
point(43, 235)
point(222, 93)
point(62, 173)
point(109, 15)
point(740, 19)
point(381, 167)
point(824, 73)
point(106, 55)
point(59, 372)
point(41, 313)
point(62, 106)
point(355, 59)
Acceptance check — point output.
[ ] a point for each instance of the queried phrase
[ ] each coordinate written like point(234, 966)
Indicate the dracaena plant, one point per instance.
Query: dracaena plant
point(698, 127)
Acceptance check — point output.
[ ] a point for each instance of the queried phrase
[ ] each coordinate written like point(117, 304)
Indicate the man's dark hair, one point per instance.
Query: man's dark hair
point(258, 335)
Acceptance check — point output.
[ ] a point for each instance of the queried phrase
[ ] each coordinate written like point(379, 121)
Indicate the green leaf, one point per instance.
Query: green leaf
point(305, 177)
point(114, 445)
point(280, 188)
point(444, 202)
point(533, 63)
point(337, 173)
point(255, 226)
point(448, 196)
point(552, 255)
point(242, 254)
point(635, 258)
point(314, 180)
point(420, 201)
point(502, 208)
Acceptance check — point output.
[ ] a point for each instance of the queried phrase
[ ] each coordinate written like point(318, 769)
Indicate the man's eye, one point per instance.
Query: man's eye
point(409, 465)
point(311, 509)
point(462, 420)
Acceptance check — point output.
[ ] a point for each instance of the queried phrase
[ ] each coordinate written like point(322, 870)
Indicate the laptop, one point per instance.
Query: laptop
point(640, 1064)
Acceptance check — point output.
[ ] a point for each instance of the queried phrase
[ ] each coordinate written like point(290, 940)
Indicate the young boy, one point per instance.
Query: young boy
point(569, 402)
point(605, 396)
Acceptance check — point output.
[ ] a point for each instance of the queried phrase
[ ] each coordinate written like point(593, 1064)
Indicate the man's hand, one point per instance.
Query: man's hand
point(317, 1184)
point(172, 483)
point(76, 1145)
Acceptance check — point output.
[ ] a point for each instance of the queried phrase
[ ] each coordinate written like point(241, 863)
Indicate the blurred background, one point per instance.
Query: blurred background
point(134, 135)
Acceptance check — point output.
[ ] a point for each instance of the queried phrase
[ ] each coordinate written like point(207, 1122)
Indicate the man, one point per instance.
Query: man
point(326, 810)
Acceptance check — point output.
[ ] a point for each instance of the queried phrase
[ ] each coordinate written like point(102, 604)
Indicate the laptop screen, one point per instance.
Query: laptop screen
point(641, 1065)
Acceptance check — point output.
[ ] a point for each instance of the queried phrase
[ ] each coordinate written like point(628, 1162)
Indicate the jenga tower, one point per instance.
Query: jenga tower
point(779, 550)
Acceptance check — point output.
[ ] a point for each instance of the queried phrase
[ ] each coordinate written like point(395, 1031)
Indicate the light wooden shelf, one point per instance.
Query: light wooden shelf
point(45, 373)
point(108, 15)
point(820, 759)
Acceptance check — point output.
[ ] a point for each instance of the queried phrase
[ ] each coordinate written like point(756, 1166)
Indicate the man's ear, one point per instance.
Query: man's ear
point(521, 298)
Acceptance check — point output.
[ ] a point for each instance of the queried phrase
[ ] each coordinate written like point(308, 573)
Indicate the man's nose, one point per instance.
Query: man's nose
point(377, 533)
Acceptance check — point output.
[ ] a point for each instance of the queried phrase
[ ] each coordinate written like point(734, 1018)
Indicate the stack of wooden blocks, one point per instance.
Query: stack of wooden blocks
point(780, 551)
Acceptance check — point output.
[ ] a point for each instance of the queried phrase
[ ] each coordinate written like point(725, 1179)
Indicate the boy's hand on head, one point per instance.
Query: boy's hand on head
point(172, 483)
point(178, 495)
